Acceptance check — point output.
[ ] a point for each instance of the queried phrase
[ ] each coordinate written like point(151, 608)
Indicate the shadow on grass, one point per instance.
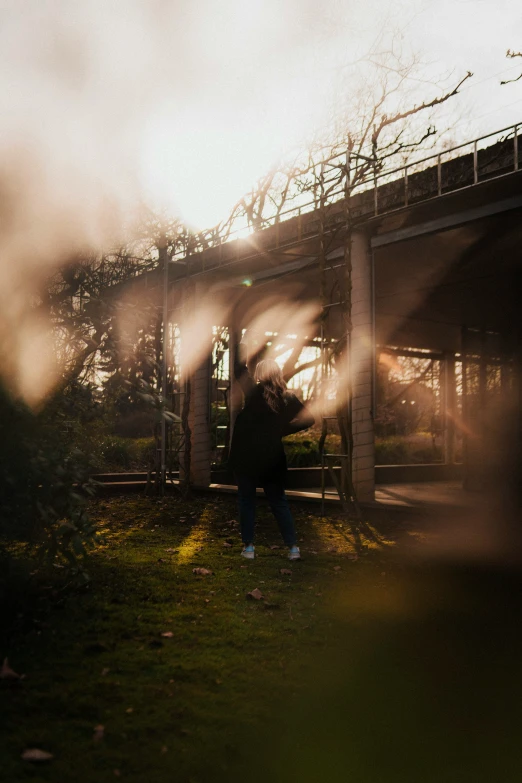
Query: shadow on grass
point(425, 685)
point(181, 670)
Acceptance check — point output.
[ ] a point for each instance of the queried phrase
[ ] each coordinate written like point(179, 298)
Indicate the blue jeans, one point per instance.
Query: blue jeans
point(275, 494)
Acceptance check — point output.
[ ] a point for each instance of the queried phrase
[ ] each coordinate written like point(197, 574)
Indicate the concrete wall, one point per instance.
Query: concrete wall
point(200, 426)
point(199, 409)
point(362, 369)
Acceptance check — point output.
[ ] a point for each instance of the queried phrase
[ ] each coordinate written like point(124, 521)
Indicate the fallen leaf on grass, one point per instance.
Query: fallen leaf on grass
point(337, 568)
point(98, 733)
point(105, 672)
point(35, 754)
point(201, 572)
point(256, 594)
point(161, 560)
point(225, 543)
point(285, 571)
point(352, 557)
point(167, 634)
point(274, 546)
point(6, 673)
point(129, 710)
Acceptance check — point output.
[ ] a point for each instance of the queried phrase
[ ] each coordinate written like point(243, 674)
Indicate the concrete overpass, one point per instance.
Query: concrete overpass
point(437, 267)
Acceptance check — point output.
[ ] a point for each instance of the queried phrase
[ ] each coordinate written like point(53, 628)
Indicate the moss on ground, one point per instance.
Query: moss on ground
point(187, 706)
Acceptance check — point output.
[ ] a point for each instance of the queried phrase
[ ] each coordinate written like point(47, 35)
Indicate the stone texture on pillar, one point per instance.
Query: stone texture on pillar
point(200, 425)
point(199, 408)
point(450, 408)
point(362, 369)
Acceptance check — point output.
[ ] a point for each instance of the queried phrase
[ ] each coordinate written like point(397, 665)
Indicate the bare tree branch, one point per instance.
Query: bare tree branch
point(385, 120)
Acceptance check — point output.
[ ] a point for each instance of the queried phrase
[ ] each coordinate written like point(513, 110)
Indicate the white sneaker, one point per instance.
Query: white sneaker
point(294, 553)
point(248, 552)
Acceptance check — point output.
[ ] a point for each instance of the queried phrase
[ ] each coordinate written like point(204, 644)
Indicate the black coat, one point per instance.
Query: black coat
point(256, 449)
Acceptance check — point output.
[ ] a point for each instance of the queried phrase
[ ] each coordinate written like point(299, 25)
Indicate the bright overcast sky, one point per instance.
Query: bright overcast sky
point(474, 35)
point(455, 36)
point(193, 100)
point(450, 37)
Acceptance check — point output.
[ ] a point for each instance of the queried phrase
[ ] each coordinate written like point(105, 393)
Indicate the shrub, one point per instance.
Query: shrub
point(302, 449)
point(115, 451)
point(412, 450)
point(137, 424)
point(302, 455)
point(44, 487)
point(427, 455)
point(112, 452)
point(391, 451)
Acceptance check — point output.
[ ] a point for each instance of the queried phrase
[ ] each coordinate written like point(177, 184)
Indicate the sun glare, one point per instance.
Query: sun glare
point(252, 107)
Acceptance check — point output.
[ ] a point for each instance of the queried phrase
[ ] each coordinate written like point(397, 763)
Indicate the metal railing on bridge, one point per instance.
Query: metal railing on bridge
point(379, 192)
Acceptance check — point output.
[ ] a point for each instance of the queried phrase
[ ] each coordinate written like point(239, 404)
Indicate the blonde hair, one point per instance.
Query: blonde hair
point(269, 373)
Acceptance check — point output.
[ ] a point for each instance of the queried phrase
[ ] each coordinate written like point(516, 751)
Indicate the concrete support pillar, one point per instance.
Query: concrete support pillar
point(199, 422)
point(362, 361)
point(199, 407)
point(449, 408)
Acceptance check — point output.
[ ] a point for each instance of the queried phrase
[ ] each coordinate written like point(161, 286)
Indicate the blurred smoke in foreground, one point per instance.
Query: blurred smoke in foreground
point(107, 105)
point(425, 683)
point(420, 677)
point(426, 686)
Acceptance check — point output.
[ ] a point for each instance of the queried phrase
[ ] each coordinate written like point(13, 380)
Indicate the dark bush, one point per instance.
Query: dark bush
point(139, 424)
point(44, 487)
point(302, 449)
point(112, 452)
point(404, 450)
point(391, 451)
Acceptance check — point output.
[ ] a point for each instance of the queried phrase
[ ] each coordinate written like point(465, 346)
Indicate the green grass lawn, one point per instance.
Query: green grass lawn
point(172, 707)
point(355, 666)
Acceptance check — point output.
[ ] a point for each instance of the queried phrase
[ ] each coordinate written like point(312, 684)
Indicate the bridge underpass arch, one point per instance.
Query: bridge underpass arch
point(434, 289)
point(431, 275)
point(452, 296)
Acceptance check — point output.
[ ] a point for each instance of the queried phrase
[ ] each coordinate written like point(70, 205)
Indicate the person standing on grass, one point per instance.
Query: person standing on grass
point(257, 456)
